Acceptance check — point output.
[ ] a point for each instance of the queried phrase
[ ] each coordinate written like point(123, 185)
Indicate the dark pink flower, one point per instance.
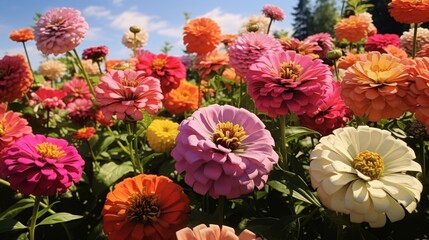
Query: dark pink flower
point(378, 42)
point(96, 54)
point(126, 93)
point(12, 127)
point(225, 151)
point(323, 40)
point(283, 82)
point(331, 114)
point(273, 12)
point(168, 69)
point(81, 111)
point(41, 165)
point(49, 98)
point(60, 30)
point(248, 47)
point(76, 88)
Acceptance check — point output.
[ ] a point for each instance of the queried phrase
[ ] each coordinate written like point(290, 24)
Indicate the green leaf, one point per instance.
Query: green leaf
point(109, 173)
point(16, 208)
point(59, 218)
point(296, 132)
point(105, 143)
point(7, 225)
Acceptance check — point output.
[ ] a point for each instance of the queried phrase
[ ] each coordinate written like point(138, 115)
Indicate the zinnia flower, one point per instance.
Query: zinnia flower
point(111, 63)
point(225, 151)
point(12, 127)
point(145, 207)
point(99, 117)
point(76, 88)
point(228, 39)
point(52, 69)
point(248, 47)
point(363, 172)
point(283, 82)
point(406, 39)
point(375, 86)
point(420, 90)
point(352, 29)
point(84, 133)
point(324, 41)
point(256, 23)
point(15, 77)
point(213, 232)
point(409, 11)
point(348, 60)
point(126, 93)
point(183, 99)
point(139, 41)
point(96, 54)
point(395, 51)
point(302, 47)
point(424, 52)
point(211, 63)
point(80, 110)
point(60, 30)
point(201, 35)
point(378, 42)
point(49, 98)
point(168, 69)
point(41, 165)
point(161, 135)
point(90, 67)
point(22, 35)
point(273, 12)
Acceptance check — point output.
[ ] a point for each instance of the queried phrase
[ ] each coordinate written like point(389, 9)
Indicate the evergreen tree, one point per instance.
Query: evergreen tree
point(324, 17)
point(382, 19)
point(303, 20)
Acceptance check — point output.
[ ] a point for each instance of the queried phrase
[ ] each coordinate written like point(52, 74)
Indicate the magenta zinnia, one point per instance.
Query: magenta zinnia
point(41, 165)
point(96, 54)
point(378, 42)
point(126, 93)
point(12, 127)
point(225, 151)
point(284, 82)
point(60, 30)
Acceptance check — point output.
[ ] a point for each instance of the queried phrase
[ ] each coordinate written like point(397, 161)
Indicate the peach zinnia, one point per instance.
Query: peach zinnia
point(211, 63)
point(201, 35)
point(12, 127)
point(420, 90)
point(352, 29)
point(145, 207)
point(409, 11)
point(375, 86)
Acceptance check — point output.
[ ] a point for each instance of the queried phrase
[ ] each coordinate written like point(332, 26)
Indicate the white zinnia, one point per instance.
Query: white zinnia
point(139, 41)
point(52, 69)
point(256, 23)
point(372, 189)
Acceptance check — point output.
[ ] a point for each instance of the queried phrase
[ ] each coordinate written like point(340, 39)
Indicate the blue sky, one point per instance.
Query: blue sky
point(109, 19)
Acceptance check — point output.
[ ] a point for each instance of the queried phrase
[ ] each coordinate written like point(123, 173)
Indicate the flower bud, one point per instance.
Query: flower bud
point(334, 54)
point(135, 29)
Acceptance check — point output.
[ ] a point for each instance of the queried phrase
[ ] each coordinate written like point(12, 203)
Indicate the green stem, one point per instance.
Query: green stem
point(131, 135)
point(136, 147)
point(221, 208)
point(134, 44)
point(47, 119)
point(28, 60)
point(339, 231)
point(284, 164)
point(423, 146)
point(94, 158)
point(119, 143)
point(82, 70)
point(34, 217)
point(337, 71)
point(241, 92)
point(269, 25)
point(413, 54)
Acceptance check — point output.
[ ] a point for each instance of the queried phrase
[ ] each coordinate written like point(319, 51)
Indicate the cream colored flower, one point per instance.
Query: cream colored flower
point(90, 67)
point(362, 172)
point(406, 40)
point(257, 23)
point(52, 69)
point(139, 42)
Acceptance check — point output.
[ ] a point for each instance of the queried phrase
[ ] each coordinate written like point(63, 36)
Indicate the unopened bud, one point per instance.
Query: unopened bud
point(122, 66)
point(253, 28)
point(334, 54)
point(135, 29)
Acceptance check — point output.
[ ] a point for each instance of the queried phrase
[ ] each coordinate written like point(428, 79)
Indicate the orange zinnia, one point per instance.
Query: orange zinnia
point(210, 63)
point(111, 63)
point(352, 29)
point(145, 207)
point(22, 35)
point(182, 99)
point(419, 98)
point(376, 85)
point(348, 60)
point(409, 11)
point(201, 35)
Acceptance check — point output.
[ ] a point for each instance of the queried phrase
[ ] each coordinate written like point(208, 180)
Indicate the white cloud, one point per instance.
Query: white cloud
point(96, 11)
point(117, 2)
point(129, 18)
point(229, 22)
point(94, 33)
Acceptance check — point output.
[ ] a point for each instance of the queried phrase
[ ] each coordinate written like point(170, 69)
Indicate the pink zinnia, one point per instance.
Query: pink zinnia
point(126, 93)
point(331, 114)
point(284, 82)
point(168, 69)
point(273, 12)
point(96, 54)
point(60, 30)
point(41, 165)
point(214, 232)
point(225, 151)
point(49, 98)
point(378, 42)
point(248, 47)
point(76, 88)
point(81, 111)
point(323, 40)
point(12, 127)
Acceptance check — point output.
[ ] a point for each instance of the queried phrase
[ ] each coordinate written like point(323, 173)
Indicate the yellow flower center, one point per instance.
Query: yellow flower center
point(143, 208)
point(290, 70)
point(129, 82)
point(49, 150)
point(158, 63)
point(229, 135)
point(369, 163)
point(2, 128)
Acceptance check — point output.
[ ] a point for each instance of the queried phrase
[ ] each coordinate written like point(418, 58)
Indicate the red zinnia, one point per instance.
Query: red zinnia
point(15, 77)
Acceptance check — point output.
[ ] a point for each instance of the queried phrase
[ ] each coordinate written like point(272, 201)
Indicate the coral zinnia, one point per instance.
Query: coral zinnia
point(424, 52)
point(362, 172)
point(52, 69)
point(41, 165)
point(302, 47)
point(145, 207)
point(183, 99)
point(378, 42)
point(248, 47)
point(12, 127)
point(126, 93)
point(213, 232)
point(283, 82)
point(22, 35)
point(395, 51)
point(375, 86)
point(60, 30)
point(161, 135)
point(352, 29)
point(96, 54)
point(225, 151)
point(49, 98)
point(420, 90)
point(168, 69)
point(211, 63)
point(76, 88)
point(15, 77)
point(201, 35)
point(84, 133)
point(409, 11)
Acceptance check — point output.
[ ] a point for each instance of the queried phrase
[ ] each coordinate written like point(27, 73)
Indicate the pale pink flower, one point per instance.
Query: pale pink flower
point(273, 12)
point(60, 30)
point(12, 127)
point(126, 93)
point(213, 232)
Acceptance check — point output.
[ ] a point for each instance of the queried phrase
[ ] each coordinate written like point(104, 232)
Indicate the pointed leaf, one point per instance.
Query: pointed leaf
point(7, 225)
point(109, 173)
point(59, 218)
point(16, 208)
point(296, 132)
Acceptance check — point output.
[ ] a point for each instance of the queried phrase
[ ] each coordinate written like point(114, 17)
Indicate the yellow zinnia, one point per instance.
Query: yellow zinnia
point(161, 135)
